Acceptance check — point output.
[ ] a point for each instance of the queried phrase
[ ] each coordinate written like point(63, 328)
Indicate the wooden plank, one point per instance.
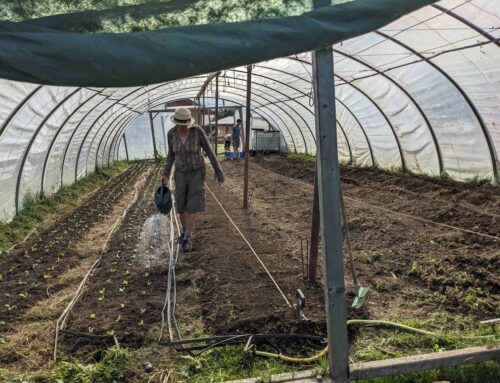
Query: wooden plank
point(397, 366)
point(306, 376)
point(424, 362)
point(491, 321)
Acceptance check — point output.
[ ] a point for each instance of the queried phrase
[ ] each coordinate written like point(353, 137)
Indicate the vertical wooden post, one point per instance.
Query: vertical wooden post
point(247, 137)
point(329, 203)
point(126, 146)
point(153, 136)
point(313, 249)
point(216, 111)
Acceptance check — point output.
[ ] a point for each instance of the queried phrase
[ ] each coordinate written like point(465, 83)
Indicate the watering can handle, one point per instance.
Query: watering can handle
point(164, 189)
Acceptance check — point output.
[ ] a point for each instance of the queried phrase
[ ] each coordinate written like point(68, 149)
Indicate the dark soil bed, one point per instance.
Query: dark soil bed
point(29, 272)
point(414, 268)
point(120, 300)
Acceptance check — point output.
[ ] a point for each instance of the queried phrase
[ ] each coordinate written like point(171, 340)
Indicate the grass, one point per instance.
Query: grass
point(40, 208)
point(224, 363)
point(231, 362)
point(109, 369)
point(453, 332)
point(302, 156)
point(488, 372)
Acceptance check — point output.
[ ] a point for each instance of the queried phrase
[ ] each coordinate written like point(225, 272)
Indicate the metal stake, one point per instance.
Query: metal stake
point(216, 111)
point(203, 111)
point(247, 137)
point(153, 135)
point(329, 203)
point(126, 146)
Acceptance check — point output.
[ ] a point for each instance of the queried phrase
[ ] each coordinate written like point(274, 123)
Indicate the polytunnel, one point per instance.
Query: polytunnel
point(417, 89)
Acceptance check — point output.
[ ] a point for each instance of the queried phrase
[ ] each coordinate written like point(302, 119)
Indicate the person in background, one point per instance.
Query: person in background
point(236, 137)
point(227, 142)
point(185, 142)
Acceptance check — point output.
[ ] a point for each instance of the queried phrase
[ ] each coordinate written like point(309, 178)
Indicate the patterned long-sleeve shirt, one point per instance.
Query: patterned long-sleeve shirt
point(188, 156)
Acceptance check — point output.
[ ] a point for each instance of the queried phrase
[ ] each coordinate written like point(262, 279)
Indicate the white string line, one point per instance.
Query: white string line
point(250, 246)
point(173, 273)
point(61, 321)
point(23, 241)
point(168, 304)
point(423, 219)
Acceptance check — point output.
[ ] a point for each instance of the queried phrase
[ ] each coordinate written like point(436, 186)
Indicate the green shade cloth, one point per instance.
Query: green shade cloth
point(93, 20)
point(45, 56)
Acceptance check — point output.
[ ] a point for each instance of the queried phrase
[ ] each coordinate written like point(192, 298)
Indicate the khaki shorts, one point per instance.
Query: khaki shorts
point(190, 190)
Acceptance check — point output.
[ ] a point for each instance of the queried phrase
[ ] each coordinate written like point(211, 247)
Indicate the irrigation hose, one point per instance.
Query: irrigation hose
point(292, 359)
point(363, 322)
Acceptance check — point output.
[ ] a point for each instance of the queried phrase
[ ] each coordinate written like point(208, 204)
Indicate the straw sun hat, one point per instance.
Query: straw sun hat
point(182, 116)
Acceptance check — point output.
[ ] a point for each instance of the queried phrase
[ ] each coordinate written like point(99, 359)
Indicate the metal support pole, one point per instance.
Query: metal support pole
point(247, 137)
point(329, 203)
point(216, 111)
point(153, 136)
point(126, 146)
point(313, 249)
point(204, 111)
point(165, 143)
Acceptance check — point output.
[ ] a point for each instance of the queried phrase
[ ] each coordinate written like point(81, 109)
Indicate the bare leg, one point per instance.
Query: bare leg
point(190, 221)
point(235, 151)
point(183, 220)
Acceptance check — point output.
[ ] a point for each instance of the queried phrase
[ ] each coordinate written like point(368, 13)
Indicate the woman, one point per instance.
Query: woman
point(185, 142)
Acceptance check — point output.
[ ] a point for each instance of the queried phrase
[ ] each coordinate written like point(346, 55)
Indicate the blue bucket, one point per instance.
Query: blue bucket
point(231, 155)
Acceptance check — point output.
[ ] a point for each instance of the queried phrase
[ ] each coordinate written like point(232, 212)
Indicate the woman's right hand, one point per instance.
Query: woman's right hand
point(220, 177)
point(164, 180)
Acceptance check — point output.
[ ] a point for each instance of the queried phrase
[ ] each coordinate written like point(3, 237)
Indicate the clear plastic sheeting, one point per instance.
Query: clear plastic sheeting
point(421, 94)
